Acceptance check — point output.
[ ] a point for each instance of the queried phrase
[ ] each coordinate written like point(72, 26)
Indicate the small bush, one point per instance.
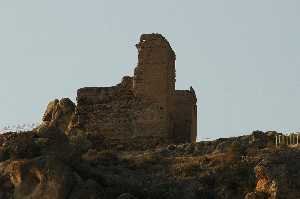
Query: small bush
point(188, 166)
point(20, 145)
point(107, 155)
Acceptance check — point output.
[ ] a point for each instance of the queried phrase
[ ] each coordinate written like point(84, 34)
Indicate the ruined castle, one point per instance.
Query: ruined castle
point(145, 106)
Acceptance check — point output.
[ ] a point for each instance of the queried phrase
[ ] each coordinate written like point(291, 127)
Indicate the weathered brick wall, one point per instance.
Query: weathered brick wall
point(185, 116)
point(154, 76)
point(145, 106)
point(116, 113)
point(105, 110)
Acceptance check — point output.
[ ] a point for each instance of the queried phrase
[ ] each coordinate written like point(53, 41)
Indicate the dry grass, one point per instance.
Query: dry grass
point(191, 166)
point(186, 166)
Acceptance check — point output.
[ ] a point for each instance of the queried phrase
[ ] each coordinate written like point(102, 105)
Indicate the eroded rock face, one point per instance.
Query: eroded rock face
point(44, 165)
point(51, 165)
point(278, 175)
point(38, 178)
point(15, 146)
point(59, 114)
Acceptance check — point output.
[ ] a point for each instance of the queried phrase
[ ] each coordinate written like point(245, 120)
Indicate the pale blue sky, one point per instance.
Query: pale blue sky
point(240, 56)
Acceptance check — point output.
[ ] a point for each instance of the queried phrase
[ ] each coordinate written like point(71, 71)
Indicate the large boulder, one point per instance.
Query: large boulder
point(59, 114)
point(46, 166)
point(36, 178)
point(18, 145)
point(277, 176)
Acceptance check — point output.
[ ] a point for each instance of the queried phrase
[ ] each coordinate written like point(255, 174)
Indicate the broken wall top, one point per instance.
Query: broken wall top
point(155, 40)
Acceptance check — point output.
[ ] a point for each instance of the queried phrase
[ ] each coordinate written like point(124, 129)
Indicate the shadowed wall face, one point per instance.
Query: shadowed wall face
point(185, 116)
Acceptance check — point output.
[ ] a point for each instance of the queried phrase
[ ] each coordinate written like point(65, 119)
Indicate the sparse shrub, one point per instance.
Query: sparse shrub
point(143, 161)
point(107, 156)
point(150, 158)
point(104, 157)
point(187, 166)
point(20, 145)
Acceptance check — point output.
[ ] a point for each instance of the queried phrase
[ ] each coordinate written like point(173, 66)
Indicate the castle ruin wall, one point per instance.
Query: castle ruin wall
point(145, 106)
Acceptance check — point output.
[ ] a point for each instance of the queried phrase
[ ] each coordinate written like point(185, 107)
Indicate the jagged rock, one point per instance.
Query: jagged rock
point(16, 146)
point(52, 164)
point(38, 178)
point(59, 114)
point(277, 175)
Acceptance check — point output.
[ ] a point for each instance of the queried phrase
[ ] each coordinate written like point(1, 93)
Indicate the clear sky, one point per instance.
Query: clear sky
point(241, 57)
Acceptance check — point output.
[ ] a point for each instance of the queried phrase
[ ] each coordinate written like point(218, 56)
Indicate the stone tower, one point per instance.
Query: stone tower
point(154, 76)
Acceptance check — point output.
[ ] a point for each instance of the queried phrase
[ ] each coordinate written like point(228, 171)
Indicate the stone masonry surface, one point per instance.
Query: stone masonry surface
point(145, 106)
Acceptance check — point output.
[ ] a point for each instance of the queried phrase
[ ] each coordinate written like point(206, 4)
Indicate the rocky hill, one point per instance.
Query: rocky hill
point(58, 160)
point(50, 164)
point(118, 143)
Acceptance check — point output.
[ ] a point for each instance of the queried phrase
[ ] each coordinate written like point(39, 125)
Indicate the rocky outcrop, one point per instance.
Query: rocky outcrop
point(278, 176)
point(38, 178)
point(45, 165)
point(59, 114)
point(55, 165)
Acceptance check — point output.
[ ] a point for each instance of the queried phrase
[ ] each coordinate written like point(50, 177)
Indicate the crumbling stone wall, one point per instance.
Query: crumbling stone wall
point(154, 76)
point(185, 116)
point(117, 113)
point(145, 105)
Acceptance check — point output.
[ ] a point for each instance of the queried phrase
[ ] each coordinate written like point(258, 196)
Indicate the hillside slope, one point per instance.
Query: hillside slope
point(53, 165)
